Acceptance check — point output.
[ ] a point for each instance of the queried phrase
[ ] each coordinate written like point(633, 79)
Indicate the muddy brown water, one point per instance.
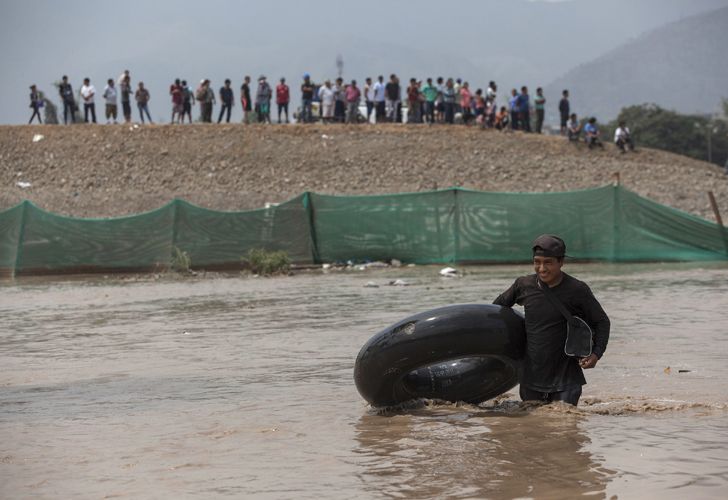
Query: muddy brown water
point(233, 386)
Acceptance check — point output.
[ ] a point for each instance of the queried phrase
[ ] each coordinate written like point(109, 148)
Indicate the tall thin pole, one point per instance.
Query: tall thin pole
point(714, 206)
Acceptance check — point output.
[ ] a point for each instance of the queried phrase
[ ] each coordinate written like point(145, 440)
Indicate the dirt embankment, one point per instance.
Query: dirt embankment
point(100, 171)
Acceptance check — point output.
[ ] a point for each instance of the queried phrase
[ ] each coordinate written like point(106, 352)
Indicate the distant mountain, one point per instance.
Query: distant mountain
point(681, 66)
point(514, 42)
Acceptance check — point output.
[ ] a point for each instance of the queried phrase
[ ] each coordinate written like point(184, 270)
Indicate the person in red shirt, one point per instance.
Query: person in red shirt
point(466, 99)
point(413, 101)
point(353, 94)
point(283, 97)
point(176, 91)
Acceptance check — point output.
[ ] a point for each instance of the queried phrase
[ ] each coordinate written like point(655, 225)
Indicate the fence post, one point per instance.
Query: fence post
point(719, 220)
point(175, 220)
point(456, 223)
point(21, 237)
point(311, 217)
point(616, 243)
point(714, 206)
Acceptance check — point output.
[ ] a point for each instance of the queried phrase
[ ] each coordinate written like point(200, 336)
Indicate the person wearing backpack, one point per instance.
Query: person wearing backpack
point(206, 97)
point(188, 100)
point(69, 103)
point(262, 100)
point(36, 102)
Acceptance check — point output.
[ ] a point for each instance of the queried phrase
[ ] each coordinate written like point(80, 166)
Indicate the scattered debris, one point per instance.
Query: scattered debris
point(376, 263)
point(371, 284)
point(398, 282)
point(396, 263)
point(667, 370)
point(22, 184)
point(38, 137)
point(326, 266)
point(449, 272)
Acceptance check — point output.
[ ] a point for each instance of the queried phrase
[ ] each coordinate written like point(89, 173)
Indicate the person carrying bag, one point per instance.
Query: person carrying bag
point(566, 328)
point(579, 335)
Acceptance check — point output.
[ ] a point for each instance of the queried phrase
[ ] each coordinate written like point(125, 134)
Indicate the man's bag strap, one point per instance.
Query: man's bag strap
point(555, 301)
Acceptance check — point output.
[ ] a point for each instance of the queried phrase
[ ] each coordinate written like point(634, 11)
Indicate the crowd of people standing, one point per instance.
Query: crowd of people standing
point(439, 101)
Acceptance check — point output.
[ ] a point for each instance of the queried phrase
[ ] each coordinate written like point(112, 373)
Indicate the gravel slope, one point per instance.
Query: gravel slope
point(112, 170)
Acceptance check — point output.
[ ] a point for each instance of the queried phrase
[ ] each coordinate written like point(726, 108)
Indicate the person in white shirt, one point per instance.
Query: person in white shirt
point(573, 128)
point(623, 138)
point(490, 96)
point(87, 95)
point(369, 97)
point(110, 96)
point(380, 107)
point(124, 76)
point(327, 97)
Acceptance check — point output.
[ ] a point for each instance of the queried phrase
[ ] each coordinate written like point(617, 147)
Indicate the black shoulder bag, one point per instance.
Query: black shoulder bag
point(579, 336)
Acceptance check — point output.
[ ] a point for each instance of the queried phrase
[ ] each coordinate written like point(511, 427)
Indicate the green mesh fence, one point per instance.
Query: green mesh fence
point(453, 225)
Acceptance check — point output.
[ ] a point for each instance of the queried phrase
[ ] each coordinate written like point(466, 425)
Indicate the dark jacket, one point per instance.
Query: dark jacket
point(546, 367)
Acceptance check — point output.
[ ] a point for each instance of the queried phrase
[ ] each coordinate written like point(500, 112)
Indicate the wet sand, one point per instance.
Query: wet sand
point(237, 386)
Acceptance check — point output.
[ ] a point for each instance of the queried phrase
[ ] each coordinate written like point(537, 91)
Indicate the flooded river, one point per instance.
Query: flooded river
point(234, 386)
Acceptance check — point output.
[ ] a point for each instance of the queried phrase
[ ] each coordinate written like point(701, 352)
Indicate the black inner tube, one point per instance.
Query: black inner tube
point(468, 352)
point(467, 379)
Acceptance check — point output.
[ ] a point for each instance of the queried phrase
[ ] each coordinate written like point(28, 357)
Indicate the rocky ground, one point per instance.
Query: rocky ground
point(112, 170)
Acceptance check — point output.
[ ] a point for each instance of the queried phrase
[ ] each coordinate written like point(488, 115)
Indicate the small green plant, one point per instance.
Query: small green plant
point(180, 261)
point(261, 261)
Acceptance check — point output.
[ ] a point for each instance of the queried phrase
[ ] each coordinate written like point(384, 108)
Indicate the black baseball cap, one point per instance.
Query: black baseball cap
point(548, 245)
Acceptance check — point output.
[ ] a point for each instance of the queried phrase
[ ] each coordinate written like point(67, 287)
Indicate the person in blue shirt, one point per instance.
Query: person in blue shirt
point(524, 111)
point(513, 107)
point(591, 134)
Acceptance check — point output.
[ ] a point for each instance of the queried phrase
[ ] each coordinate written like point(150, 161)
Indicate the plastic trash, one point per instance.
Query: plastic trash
point(398, 282)
point(22, 184)
point(449, 272)
point(38, 137)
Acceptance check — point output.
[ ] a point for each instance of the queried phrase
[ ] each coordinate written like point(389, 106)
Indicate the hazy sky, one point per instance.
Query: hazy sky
point(514, 42)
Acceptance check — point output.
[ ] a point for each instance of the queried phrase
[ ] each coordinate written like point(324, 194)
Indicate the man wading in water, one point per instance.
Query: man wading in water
point(549, 374)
